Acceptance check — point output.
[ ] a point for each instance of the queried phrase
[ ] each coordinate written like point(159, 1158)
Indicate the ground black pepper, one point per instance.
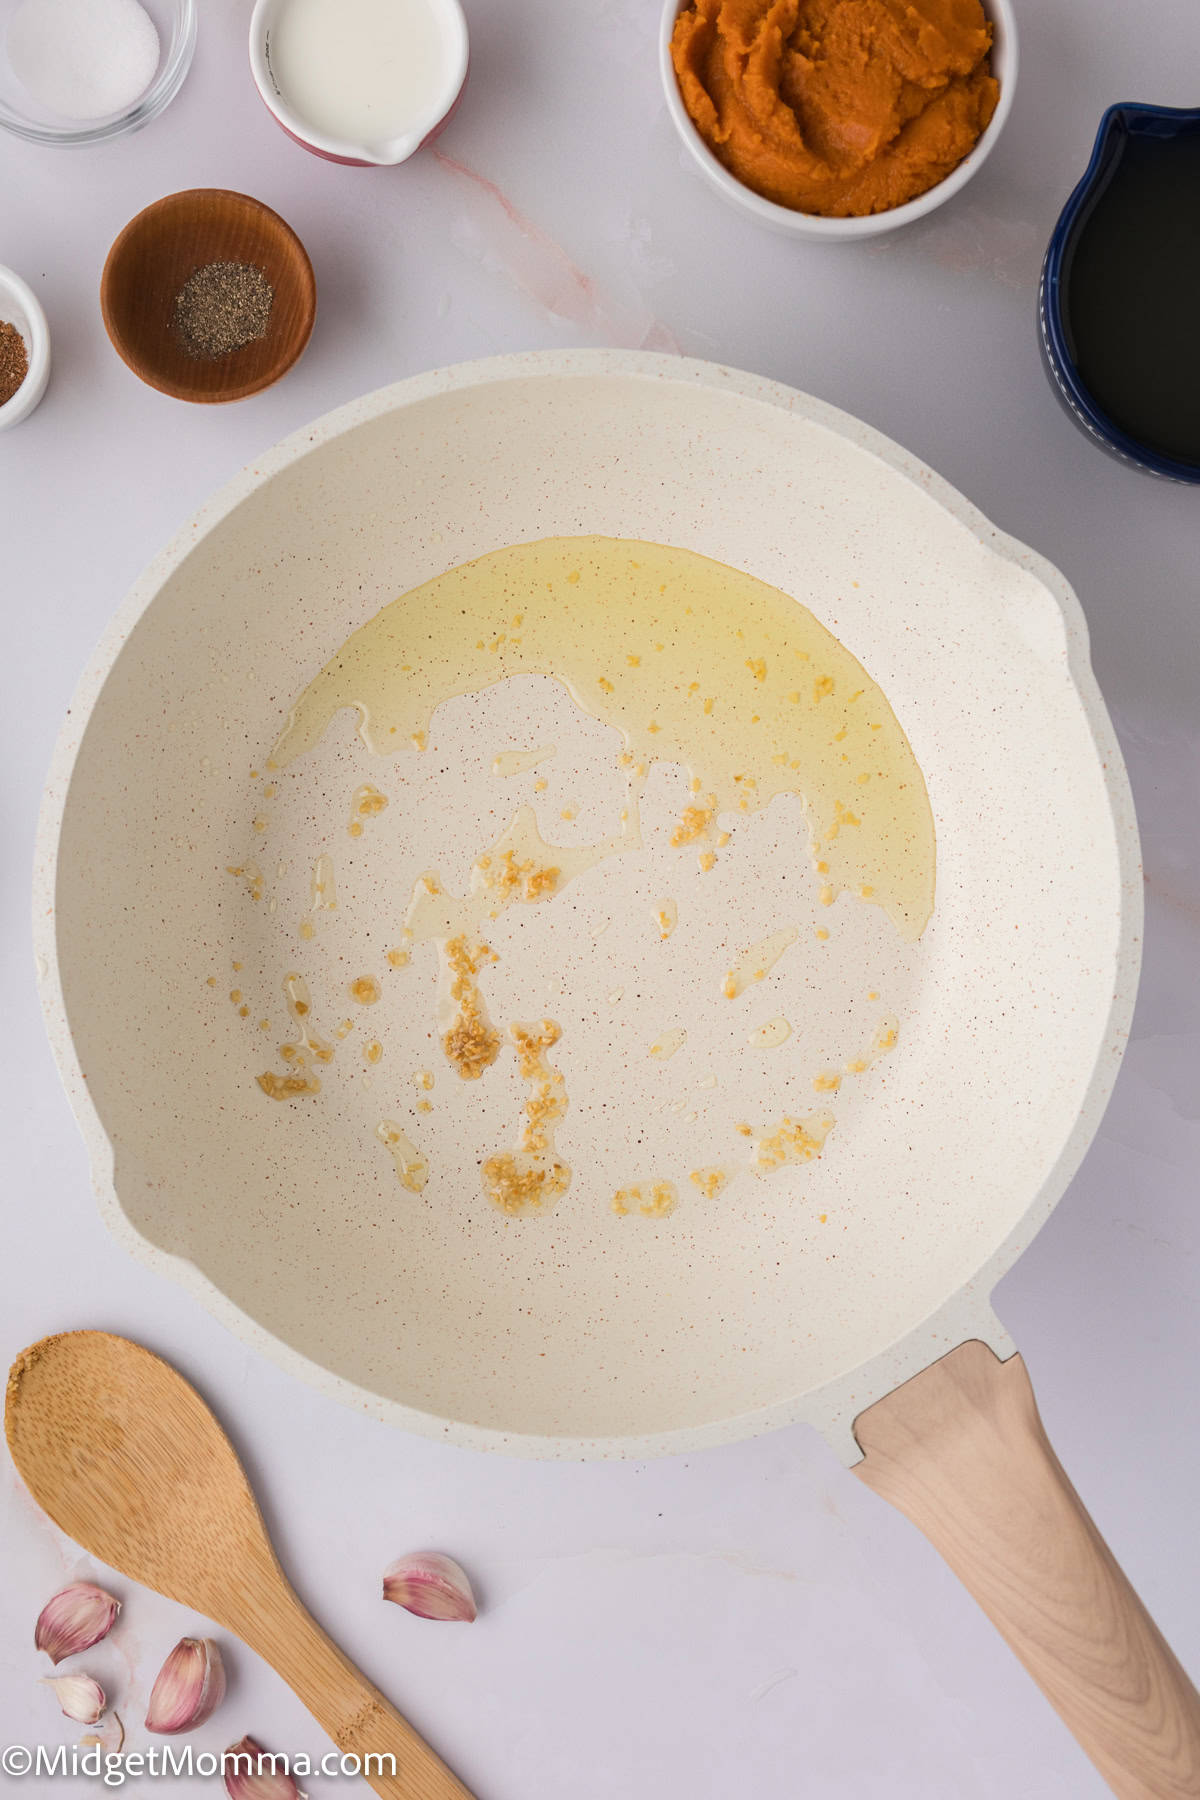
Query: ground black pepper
point(14, 360)
point(222, 307)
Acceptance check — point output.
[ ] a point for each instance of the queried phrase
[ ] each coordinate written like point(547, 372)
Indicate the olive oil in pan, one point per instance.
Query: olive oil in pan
point(1131, 290)
point(693, 662)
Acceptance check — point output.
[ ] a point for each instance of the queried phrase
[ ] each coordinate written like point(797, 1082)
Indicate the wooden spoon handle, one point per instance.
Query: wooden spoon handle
point(962, 1452)
point(343, 1702)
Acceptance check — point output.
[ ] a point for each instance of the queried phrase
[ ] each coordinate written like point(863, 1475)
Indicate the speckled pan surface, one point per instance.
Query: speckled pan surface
point(807, 1294)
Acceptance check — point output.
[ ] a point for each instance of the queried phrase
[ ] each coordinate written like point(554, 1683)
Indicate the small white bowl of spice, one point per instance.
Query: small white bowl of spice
point(24, 350)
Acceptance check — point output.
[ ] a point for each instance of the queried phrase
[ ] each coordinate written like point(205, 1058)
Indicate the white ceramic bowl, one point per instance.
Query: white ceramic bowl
point(786, 219)
point(19, 307)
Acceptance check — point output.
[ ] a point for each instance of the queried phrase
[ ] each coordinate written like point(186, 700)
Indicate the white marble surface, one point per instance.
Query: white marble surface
point(748, 1620)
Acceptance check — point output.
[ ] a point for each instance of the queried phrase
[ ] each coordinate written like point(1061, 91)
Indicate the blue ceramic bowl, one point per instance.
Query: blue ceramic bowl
point(1118, 123)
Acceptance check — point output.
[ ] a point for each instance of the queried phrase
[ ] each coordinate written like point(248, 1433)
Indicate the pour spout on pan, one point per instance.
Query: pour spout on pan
point(962, 1452)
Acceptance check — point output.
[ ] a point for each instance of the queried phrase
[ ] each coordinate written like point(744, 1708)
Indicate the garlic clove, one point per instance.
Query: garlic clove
point(80, 1697)
point(187, 1689)
point(430, 1585)
point(247, 1779)
point(75, 1619)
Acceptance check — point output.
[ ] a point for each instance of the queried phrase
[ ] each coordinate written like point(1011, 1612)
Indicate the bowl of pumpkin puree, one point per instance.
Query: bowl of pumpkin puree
point(838, 118)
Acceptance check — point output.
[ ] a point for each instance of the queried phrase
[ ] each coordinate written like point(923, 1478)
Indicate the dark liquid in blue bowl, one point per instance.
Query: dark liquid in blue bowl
point(1130, 289)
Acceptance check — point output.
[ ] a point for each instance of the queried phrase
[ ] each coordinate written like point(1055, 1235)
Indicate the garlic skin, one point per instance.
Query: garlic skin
point(81, 1698)
point(114, 1743)
point(74, 1619)
point(247, 1782)
point(187, 1689)
point(430, 1585)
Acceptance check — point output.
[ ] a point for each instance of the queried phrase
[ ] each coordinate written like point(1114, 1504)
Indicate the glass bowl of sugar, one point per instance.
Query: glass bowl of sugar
point(84, 71)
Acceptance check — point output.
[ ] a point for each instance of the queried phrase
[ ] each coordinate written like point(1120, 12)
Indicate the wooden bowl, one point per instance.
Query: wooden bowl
point(157, 253)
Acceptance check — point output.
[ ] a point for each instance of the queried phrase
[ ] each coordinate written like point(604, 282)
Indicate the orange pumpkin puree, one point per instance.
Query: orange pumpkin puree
point(837, 107)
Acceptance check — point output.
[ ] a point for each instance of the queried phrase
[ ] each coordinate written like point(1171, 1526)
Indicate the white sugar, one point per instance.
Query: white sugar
point(83, 59)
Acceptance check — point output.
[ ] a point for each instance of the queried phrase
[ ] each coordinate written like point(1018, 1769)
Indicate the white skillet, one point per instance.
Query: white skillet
point(582, 1334)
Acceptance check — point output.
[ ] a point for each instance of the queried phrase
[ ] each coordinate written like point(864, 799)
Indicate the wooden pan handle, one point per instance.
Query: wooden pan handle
point(355, 1715)
point(962, 1452)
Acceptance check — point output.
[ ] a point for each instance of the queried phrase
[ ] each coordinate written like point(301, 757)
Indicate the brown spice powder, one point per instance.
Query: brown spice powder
point(222, 307)
point(14, 361)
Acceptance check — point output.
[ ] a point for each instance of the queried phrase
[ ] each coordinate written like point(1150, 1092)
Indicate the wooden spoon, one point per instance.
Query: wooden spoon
point(126, 1458)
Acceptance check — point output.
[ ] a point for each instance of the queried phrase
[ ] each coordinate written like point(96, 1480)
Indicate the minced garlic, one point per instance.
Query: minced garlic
point(471, 1043)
